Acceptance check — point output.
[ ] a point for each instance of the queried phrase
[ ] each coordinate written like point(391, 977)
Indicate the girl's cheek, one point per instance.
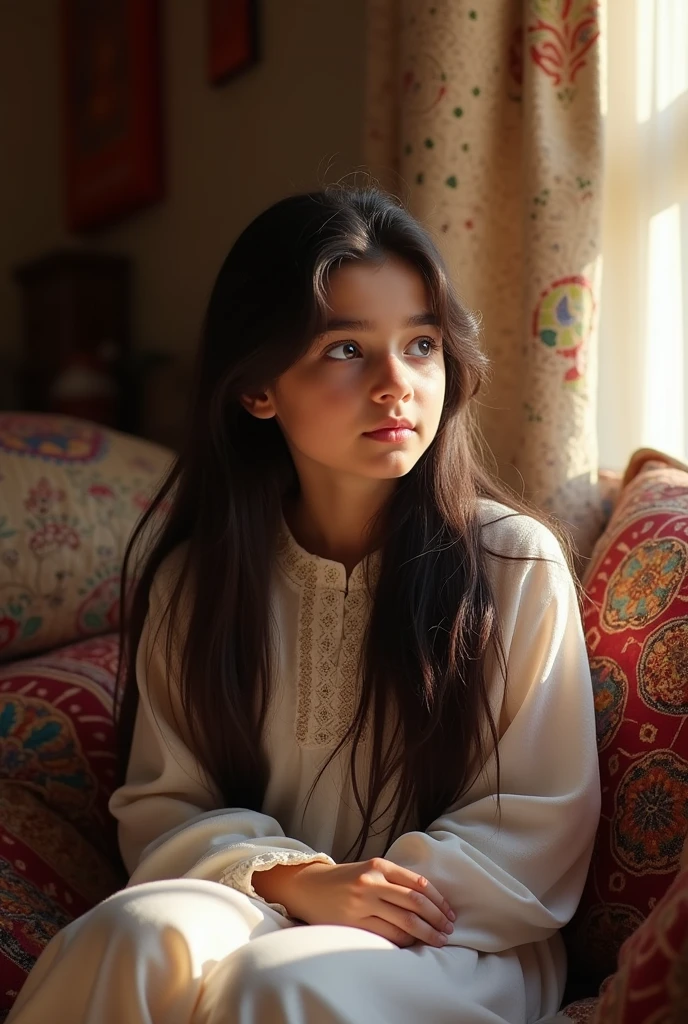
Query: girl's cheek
point(431, 387)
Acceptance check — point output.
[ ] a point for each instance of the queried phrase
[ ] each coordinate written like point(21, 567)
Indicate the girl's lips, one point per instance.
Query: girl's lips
point(391, 435)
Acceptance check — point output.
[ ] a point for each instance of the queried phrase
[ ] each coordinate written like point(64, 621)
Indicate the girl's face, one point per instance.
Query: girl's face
point(380, 359)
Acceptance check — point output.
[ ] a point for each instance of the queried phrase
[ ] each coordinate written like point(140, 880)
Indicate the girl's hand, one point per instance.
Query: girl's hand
point(376, 895)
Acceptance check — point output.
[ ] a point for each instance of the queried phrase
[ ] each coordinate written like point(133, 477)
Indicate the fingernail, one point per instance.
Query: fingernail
point(451, 915)
point(448, 928)
point(443, 940)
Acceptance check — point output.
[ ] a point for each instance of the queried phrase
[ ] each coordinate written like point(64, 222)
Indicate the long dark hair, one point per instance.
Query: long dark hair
point(433, 619)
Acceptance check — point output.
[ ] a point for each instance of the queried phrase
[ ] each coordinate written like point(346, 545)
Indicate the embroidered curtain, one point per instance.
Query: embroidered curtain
point(485, 118)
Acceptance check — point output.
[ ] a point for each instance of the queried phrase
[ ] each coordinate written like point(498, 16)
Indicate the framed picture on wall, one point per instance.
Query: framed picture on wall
point(232, 27)
point(111, 102)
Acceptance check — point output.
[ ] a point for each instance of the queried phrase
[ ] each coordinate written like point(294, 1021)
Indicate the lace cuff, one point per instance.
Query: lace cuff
point(239, 875)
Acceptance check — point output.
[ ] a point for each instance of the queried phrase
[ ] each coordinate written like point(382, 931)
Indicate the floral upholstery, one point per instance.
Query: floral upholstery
point(582, 1011)
point(70, 493)
point(637, 635)
point(651, 983)
point(49, 874)
point(57, 771)
point(57, 734)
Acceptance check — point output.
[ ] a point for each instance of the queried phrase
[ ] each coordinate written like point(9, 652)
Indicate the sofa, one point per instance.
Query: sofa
point(70, 494)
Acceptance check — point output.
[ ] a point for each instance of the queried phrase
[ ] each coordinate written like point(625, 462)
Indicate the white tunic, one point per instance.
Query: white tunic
point(513, 876)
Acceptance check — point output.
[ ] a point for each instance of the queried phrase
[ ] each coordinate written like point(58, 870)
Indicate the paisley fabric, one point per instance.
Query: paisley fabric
point(57, 735)
point(58, 844)
point(636, 623)
point(486, 119)
point(70, 494)
point(49, 874)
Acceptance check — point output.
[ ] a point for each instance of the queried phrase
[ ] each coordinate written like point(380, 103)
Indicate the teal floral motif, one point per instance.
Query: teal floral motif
point(15, 622)
point(563, 321)
point(31, 626)
point(38, 747)
point(99, 612)
point(610, 690)
point(651, 817)
point(29, 910)
point(5, 531)
point(663, 669)
point(645, 583)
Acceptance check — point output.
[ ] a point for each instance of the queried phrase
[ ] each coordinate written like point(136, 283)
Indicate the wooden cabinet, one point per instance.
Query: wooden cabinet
point(75, 354)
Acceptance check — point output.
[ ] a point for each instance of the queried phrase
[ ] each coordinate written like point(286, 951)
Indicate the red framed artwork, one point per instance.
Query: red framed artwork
point(232, 38)
point(111, 109)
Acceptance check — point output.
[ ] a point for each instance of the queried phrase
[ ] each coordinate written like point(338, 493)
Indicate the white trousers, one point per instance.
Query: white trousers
point(194, 952)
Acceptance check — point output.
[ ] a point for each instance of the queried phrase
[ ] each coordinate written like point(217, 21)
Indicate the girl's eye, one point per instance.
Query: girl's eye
point(430, 345)
point(343, 345)
point(350, 349)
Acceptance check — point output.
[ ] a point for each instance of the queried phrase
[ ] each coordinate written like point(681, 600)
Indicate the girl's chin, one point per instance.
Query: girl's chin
point(394, 464)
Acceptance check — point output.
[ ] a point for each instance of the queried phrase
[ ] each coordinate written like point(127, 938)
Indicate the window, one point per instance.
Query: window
point(643, 384)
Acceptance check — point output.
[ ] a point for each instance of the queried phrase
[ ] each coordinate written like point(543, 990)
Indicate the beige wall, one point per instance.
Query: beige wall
point(293, 120)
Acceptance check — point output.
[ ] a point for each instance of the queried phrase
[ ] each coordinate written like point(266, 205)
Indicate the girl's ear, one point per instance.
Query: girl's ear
point(261, 405)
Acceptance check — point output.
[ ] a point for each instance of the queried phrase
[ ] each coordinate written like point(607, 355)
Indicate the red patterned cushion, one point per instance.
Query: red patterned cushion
point(71, 494)
point(637, 634)
point(49, 874)
point(651, 984)
point(57, 733)
point(582, 1011)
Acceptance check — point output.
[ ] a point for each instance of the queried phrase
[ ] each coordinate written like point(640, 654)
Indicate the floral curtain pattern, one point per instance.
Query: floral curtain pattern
point(485, 118)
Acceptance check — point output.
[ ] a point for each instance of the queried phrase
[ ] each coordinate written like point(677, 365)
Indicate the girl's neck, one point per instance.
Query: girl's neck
point(339, 531)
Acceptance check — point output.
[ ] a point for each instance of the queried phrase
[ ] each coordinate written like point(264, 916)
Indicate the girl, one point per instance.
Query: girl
point(357, 716)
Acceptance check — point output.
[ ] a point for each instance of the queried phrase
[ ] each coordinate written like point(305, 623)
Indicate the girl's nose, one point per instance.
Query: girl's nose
point(392, 380)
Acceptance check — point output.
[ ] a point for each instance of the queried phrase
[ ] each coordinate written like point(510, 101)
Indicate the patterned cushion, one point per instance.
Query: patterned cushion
point(651, 984)
point(57, 734)
point(49, 874)
point(637, 635)
point(70, 493)
point(582, 1011)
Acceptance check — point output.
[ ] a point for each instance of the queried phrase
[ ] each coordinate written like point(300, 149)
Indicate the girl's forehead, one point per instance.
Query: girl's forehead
point(392, 285)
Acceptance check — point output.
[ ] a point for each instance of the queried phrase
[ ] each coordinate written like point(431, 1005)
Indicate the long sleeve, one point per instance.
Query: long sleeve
point(171, 823)
point(515, 875)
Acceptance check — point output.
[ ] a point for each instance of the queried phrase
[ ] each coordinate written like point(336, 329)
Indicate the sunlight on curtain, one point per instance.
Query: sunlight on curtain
point(644, 302)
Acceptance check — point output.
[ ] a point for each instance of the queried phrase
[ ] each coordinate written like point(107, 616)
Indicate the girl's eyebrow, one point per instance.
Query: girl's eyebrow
point(424, 319)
